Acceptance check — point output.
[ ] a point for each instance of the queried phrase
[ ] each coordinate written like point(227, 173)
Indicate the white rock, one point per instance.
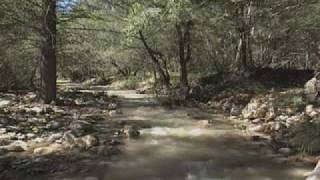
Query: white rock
point(54, 148)
point(90, 141)
point(54, 137)
point(114, 113)
point(309, 109)
point(257, 128)
point(315, 174)
point(112, 106)
point(4, 103)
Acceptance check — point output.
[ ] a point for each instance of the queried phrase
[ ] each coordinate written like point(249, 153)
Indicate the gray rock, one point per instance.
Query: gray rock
point(80, 128)
point(54, 125)
point(235, 111)
point(285, 151)
point(112, 106)
point(131, 131)
point(69, 137)
point(17, 146)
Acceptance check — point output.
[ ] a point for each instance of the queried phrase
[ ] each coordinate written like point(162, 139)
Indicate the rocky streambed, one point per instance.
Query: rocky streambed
point(38, 139)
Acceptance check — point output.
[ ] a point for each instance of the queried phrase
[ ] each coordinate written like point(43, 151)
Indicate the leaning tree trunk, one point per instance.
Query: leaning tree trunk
point(164, 76)
point(48, 63)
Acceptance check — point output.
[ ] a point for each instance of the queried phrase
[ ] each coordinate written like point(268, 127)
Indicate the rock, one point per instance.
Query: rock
point(30, 135)
point(5, 142)
point(30, 97)
point(309, 109)
point(4, 103)
point(235, 111)
point(271, 114)
point(257, 128)
point(54, 137)
point(38, 140)
point(131, 131)
point(53, 148)
point(52, 125)
point(256, 121)
point(315, 174)
point(257, 108)
point(17, 146)
point(80, 128)
point(115, 142)
point(204, 123)
point(275, 126)
point(112, 106)
point(285, 151)
point(36, 110)
point(141, 91)
point(69, 138)
point(114, 113)
point(21, 136)
point(310, 89)
point(90, 141)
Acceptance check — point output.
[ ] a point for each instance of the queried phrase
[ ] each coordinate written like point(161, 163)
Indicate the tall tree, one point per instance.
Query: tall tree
point(48, 66)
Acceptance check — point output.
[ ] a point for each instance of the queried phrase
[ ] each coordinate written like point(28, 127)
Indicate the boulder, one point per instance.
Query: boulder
point(258, 108)
point(311, 89)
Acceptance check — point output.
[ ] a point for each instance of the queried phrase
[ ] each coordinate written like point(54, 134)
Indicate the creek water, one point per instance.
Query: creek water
point(178, 145)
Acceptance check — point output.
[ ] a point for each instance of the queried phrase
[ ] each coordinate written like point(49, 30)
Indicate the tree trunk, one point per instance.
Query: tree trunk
point(164, 76)
point(243, 53)
point(48, 63)
point(184, 43)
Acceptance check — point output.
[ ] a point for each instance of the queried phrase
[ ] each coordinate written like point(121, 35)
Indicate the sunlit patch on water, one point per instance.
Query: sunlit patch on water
point(178, 132)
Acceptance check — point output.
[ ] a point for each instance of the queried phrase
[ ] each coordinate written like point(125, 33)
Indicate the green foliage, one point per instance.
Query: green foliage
point(95, 35)
point(307, 138)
